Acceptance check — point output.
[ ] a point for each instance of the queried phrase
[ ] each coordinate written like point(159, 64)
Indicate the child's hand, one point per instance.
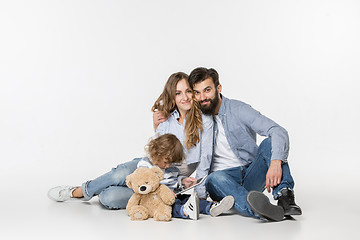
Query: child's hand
point(188, 182)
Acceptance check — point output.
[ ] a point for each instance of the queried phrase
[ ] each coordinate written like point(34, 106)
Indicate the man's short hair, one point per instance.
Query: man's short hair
point(200, 74)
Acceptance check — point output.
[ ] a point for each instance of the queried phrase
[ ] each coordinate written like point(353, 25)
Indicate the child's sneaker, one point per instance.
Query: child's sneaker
point(62, 193)
point(224, 205)
point(191, 207)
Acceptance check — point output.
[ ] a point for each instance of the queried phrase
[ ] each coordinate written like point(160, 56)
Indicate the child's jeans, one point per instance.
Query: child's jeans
point(178, 206)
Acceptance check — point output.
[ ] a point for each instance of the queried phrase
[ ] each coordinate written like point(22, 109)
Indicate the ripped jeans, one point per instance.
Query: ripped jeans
point(111, 187)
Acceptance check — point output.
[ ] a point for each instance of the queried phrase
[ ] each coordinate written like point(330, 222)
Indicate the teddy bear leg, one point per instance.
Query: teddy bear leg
point(139, 213)
point(163, 214)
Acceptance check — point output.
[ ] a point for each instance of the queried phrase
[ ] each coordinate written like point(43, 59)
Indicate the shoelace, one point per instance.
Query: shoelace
point(65, 194)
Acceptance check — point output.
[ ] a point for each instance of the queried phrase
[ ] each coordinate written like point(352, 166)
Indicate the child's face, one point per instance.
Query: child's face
point(163, 163)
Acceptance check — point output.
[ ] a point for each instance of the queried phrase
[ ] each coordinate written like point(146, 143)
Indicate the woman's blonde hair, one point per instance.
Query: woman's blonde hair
point(166, 104)
point(167, 147)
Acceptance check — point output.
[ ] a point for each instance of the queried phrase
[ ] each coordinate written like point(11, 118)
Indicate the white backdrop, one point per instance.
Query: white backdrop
point(78, 79)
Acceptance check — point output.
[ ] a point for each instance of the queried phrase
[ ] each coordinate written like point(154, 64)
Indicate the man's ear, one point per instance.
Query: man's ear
point(219, 88)
point(159, 173)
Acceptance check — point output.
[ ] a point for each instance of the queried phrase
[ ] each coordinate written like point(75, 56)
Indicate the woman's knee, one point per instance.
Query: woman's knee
point(115, 197)
point(120, 173)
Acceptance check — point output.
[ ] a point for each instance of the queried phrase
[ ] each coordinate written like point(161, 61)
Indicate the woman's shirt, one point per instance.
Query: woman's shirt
point(201, 153)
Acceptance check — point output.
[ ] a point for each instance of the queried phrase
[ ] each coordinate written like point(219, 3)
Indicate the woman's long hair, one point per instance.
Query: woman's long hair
point(166, 104)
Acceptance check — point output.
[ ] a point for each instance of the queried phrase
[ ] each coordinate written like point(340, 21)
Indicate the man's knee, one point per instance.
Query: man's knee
point(216, 177)
point(265, 147)
point(266, 142)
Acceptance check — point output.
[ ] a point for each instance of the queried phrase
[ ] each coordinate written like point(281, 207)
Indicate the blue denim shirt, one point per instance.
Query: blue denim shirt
point(241, 123)
point(201, 153)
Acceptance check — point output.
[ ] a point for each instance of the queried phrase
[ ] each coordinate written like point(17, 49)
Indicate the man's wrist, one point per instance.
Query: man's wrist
point(276, 161)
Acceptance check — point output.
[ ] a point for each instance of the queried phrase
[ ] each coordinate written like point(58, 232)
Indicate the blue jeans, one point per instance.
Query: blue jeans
point(238, 181)
point(111, 187)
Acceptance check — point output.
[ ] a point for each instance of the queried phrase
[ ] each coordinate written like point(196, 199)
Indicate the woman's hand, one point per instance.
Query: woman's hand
point(188, 182)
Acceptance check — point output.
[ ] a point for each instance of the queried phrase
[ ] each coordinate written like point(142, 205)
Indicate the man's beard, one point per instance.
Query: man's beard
point(210, 108)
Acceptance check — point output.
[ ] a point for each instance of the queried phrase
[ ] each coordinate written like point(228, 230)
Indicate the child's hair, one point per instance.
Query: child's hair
point(166, 104)
point(165, 146)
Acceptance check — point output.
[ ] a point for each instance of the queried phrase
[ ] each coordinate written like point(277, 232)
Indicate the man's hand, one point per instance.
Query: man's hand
point(274, 174)
point(188, 182)
point(158, 117)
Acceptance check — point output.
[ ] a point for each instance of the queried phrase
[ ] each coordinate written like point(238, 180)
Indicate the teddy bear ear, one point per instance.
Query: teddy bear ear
point(158, 172)
point(128, 181)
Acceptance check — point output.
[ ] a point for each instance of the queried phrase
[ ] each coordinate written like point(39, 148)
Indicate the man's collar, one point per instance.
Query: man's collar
point(222, 106)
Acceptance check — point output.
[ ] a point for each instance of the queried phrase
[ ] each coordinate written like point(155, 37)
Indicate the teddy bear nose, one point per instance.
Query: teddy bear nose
point(142, 188)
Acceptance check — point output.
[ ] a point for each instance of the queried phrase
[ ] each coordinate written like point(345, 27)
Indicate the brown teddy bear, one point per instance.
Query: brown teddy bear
point(150, 198)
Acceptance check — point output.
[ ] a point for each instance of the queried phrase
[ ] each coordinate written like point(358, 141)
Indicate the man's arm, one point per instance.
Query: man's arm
point(158, 117)
point(279, 143)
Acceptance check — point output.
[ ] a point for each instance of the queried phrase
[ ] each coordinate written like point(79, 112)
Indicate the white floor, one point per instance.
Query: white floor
point(27, 213)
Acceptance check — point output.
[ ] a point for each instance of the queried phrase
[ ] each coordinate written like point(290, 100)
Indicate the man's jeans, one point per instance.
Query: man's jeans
point(238, 181)
point(111, 187)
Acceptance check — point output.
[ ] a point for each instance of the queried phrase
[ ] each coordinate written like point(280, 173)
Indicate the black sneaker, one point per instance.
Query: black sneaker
point(261, 205)
point(286, 200)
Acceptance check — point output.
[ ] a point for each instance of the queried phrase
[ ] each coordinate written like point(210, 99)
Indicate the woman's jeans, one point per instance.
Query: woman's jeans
point(238, 181)
point(111, 187)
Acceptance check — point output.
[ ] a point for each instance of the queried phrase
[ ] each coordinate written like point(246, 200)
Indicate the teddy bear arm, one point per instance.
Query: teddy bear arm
point(166, 195)
point(134, 200)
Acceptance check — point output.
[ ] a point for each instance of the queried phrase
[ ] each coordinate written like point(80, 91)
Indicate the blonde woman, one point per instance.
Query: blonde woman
point(184, 119)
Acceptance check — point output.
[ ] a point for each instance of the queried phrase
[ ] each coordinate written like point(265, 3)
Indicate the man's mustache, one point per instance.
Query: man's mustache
point(205, 100)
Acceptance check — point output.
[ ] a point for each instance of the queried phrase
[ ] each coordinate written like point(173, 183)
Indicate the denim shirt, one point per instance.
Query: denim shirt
point(241, 123)
point(201, 153)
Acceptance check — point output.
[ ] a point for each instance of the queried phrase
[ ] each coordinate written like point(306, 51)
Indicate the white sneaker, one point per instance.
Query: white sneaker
point(62, 193)
point(220, 207)
point(191, 207)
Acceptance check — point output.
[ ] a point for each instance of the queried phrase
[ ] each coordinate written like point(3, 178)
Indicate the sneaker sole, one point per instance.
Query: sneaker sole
point(196, 208)
point(226, 204)
point(261, 205)
point(293, 212)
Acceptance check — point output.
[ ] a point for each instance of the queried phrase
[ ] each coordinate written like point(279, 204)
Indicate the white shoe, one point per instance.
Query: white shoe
point(62, 193)
point(191, 207)
point(220, 207)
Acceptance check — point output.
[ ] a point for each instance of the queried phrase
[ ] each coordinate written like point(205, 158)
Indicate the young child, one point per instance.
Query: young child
point(163, 151)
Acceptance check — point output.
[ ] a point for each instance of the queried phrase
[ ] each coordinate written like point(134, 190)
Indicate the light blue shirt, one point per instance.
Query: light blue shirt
point(201, 153)
point(241, 123)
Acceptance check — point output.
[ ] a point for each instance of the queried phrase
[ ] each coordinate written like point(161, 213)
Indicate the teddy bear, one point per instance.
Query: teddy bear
point(150, 198)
